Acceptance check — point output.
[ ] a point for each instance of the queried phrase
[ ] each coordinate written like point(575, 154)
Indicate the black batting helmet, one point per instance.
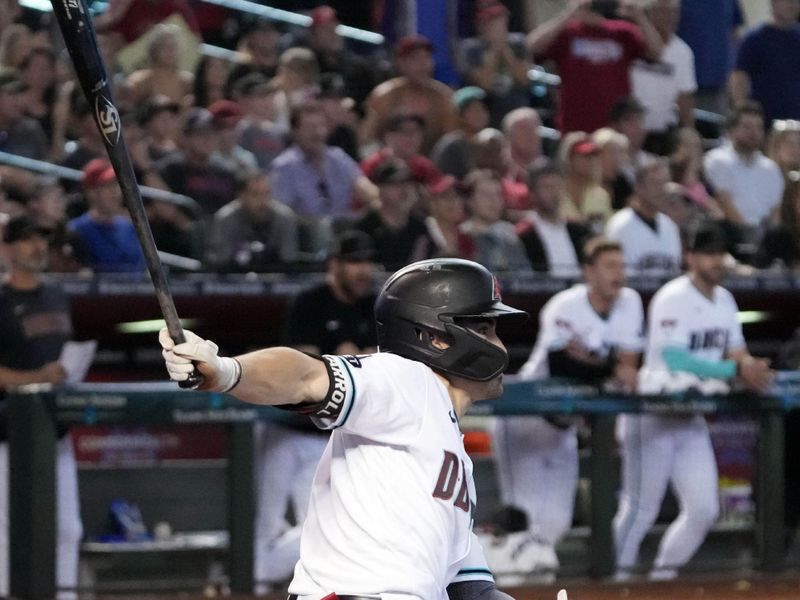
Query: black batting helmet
point(432, 296)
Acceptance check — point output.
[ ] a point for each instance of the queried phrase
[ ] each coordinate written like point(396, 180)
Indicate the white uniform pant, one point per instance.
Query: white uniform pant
point(537, 466)
point(656, 451)
point(69, 529)
point(286, 460)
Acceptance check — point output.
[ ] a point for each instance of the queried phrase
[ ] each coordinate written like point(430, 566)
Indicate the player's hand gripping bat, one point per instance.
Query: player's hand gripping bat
point(81, 42)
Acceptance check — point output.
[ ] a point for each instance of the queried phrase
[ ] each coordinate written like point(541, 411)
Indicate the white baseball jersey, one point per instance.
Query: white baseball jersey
point(648, 251)
point(658, 450)
point(537, 461)
point(393, 497)
point(568, 315)
point(681, 316)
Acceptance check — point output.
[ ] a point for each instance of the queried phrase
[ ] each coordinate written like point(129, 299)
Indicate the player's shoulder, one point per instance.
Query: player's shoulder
point(567, 299)
point(674, 289)
point(620, 219)
point(629, 297)
point(725, 296)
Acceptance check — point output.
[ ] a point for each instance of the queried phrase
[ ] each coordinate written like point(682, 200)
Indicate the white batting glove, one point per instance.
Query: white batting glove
point(221, 373)
point(562, 595)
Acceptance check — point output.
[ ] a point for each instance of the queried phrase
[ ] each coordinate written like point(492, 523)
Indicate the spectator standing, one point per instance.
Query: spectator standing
point(591, 332)
point(497, 246)
point(594, 55)
point(553, 244)
point(747, 184)
point(108, 238)
point(413, 91)
point(694, 341)
point(399, 236)
point(496, 60)
point(317, 181)
point(710, 29)
point(665, 88)
point(586, 201)
point(194, 172)
point(34, 326)
point(454, 153)
point(254, 232)
point(650, 240)
point(768, 62)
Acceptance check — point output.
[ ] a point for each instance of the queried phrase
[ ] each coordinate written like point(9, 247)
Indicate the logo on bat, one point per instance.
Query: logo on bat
point(71, 5)
point(107, 118)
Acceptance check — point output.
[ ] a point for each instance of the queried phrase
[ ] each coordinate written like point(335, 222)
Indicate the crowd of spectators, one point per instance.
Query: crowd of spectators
point(298, 134)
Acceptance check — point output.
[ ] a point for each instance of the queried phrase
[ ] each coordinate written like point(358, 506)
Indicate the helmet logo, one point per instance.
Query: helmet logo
point(496, 291)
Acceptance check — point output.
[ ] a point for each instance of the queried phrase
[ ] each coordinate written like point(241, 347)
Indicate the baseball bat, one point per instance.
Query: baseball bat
point(76, 26)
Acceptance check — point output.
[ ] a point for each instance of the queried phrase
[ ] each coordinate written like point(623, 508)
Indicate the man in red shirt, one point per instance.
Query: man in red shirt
point(593, 55)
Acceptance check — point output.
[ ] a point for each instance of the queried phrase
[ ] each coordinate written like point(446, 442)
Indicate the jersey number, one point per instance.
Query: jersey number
point(446, 484)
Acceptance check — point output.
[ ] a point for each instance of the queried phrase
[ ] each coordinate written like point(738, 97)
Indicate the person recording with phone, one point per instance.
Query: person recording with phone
point(593, 44)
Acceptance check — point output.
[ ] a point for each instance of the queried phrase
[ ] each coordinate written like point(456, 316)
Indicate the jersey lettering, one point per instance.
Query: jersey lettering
point(337, 391)
point(446, 483)
point(462, 500)
point(708, 338)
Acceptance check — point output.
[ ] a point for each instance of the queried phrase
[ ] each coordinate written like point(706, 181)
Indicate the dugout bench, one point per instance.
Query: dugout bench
point(32, 419)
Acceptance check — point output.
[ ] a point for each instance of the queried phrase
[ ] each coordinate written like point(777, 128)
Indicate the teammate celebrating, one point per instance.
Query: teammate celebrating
point(694, 341)
point(390, 514)
point(592, 332)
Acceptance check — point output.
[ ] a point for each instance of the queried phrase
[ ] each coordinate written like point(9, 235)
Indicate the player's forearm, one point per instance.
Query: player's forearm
point(562, 364)
point(15, 377)
point(540, 39)
point(280, 376)
point(681, 360)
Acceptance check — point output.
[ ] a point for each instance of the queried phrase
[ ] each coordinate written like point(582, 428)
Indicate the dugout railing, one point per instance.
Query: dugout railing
point(33, 416)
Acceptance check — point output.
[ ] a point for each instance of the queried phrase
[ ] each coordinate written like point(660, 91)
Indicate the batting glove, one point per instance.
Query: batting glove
point(221, 373)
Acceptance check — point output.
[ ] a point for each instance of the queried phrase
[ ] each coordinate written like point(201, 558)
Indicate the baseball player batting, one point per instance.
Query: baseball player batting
point(391, 508)
point(694, 341)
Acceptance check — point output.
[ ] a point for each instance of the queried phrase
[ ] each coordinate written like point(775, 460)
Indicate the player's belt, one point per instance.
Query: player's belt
point(339, 596)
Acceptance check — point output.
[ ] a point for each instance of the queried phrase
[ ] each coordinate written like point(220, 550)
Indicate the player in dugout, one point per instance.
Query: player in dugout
point(391, 508)
point(694, 341)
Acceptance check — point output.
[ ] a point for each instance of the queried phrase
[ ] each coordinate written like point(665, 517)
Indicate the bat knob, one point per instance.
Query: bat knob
point(194, 381)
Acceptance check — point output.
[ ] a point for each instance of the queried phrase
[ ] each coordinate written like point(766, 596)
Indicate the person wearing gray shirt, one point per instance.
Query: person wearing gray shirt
point(253, 232)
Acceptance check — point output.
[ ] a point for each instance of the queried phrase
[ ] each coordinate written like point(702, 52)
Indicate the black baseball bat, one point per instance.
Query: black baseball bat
point(76, 26)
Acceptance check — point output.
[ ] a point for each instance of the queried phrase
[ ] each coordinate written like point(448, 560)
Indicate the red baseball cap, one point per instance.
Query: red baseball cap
point(408, 44)
point(490, 9)
point(226, 113)
point(322, 15)
point(97, 172)
point(443, 184)
point(584, 148)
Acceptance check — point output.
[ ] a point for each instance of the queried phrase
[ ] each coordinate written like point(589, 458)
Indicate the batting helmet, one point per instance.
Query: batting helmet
point(433, 296)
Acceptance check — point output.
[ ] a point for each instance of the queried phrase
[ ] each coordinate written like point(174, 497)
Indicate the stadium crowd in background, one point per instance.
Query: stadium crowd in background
point(298, 104)
point(295, 138)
